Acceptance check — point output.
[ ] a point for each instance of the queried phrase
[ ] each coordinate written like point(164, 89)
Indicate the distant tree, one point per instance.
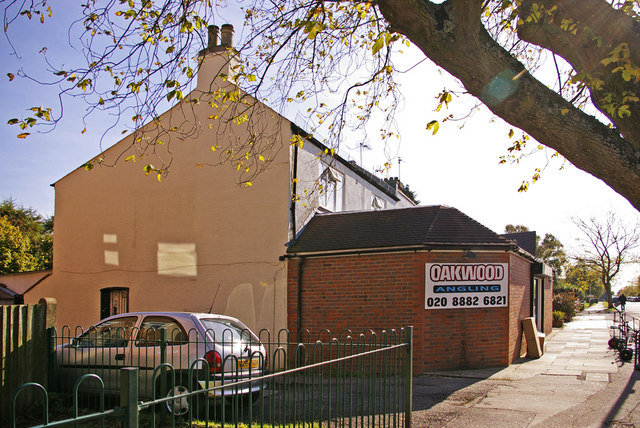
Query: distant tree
point(551, 251)
point(26, 239)
point(510, 228)
point(15, 249)
point(410, 193)
point(608, 245)
point(630, 290)
point(583, 277)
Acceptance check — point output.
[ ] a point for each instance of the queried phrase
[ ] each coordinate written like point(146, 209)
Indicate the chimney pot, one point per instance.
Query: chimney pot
point(213, 36)
point(227, 35)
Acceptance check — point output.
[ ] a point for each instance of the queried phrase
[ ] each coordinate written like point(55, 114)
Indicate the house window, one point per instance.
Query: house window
point(377, 203)
point(331, 184)
point(113, 301)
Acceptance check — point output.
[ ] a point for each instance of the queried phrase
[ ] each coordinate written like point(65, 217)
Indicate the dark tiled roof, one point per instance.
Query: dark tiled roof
point(423, 226)
point(525, 240)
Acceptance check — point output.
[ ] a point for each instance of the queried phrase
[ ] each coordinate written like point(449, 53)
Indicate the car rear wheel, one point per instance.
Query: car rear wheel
point(180, 406)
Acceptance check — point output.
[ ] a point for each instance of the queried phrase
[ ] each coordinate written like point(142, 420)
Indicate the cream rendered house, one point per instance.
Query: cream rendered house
point(197, 241)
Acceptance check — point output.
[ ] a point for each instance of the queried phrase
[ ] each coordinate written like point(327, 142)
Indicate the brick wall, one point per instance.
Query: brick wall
point(519, 304)
point(382, 291)
point(548, 305)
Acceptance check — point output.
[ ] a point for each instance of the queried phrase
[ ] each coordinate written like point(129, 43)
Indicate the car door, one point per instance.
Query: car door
point(149, 351)
point(101, 350)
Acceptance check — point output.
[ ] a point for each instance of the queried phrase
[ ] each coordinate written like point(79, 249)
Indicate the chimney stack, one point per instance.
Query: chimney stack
point(226, 38)
point(218, 57)
point(213, 36)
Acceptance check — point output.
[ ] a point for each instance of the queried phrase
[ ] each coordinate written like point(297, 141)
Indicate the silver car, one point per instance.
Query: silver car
point(200, 348)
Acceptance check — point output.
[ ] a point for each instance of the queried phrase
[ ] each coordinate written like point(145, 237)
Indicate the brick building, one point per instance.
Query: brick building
point(464, 288)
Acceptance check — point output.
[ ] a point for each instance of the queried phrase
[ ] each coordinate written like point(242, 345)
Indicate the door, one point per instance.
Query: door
point(113, 301)
point(101, 350)
point(538, 310)
point(149, 352)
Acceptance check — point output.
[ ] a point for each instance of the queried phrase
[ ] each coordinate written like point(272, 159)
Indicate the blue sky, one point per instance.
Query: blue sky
point(456, 167)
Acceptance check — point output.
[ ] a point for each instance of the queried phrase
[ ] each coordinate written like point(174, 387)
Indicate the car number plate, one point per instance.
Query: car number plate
point(248, 363)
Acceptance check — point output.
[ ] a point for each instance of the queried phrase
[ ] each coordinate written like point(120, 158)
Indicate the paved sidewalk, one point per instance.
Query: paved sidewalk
point(578, 382)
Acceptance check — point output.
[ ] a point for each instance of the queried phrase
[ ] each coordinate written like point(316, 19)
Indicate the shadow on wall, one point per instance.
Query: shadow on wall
point(259, 306)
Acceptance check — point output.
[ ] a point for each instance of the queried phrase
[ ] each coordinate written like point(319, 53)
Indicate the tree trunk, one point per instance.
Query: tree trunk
point(452, 35)
point(607, 289)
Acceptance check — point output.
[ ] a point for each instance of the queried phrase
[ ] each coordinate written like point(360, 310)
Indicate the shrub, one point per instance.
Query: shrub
point(567, 303)
point(559, 315)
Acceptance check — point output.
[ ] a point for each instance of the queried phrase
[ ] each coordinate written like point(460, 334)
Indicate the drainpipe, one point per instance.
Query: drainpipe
point(299, 322)
point(294, 192)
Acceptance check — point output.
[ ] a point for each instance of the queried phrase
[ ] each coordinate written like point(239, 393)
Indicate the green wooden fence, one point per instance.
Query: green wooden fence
point(24, 341)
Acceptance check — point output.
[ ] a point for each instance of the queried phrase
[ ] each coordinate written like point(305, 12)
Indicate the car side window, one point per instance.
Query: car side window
point(150, 331)
point(111, 333)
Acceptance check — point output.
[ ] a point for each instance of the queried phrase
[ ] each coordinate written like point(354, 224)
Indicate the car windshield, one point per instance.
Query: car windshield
point(115, 332)
point(228, 332)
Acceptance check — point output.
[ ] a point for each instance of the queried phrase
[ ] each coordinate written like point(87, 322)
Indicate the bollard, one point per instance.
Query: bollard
point(129, 395)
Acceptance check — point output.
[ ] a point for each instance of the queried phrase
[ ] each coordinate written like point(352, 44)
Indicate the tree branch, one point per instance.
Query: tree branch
point(451, 34)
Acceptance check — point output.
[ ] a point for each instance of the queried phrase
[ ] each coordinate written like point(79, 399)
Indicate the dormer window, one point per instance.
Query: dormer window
point(330, 189)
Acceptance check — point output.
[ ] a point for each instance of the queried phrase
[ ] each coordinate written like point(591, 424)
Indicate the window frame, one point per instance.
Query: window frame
point(331, 185)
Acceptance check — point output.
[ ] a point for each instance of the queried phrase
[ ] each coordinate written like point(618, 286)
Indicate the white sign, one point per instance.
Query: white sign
point(466, 285)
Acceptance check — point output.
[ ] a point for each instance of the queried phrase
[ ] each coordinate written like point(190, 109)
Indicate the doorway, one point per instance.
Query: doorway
point(113, 301)
point(538, 303)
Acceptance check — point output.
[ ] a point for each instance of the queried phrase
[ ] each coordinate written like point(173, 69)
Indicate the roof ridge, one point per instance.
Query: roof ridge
point(326, 213)
point(435, 218)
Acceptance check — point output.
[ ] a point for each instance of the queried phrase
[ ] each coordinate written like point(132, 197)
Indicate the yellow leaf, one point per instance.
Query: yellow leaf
point(434, 125)
point(377, 45)
point(511, 133)
point(159, 177)
point(23, 135)
point(564, 111)
point(132, 157)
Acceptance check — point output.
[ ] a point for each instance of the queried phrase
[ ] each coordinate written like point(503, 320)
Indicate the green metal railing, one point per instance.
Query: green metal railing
point(353, 380)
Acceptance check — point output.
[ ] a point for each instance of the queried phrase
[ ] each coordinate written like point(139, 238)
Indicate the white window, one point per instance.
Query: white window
point(330, 189)
point(378, 203)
